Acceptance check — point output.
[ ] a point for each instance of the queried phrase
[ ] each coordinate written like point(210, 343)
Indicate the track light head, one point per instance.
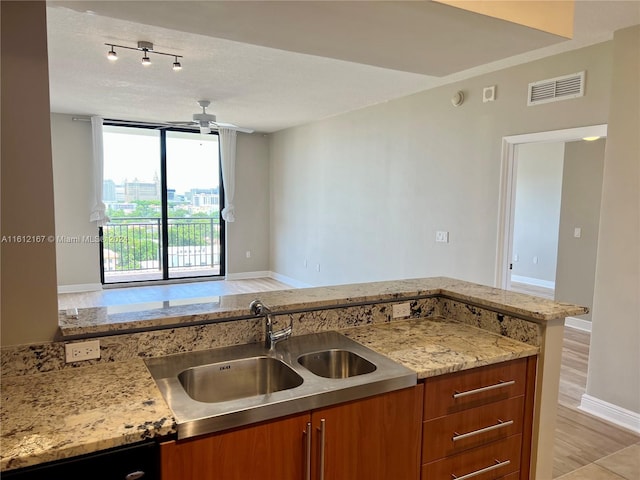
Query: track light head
point(177, 65)
point(146, 61)
point(112, 55)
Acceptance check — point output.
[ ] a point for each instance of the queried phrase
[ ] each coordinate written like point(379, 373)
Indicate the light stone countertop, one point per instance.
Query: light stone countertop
point(55, 415)
point(102, 320)
point(433, 347)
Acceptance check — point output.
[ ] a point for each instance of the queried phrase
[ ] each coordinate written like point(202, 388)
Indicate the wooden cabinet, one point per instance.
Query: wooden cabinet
point(268, 451)
point(377, 438)
point(478, 423)
point(374, 438)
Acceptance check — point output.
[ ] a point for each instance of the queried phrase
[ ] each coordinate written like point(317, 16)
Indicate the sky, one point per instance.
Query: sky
point(192, 159)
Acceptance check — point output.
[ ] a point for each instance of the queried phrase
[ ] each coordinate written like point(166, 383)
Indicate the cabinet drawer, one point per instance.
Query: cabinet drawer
point(496, 460)
point(472, 388)
point(471, 428)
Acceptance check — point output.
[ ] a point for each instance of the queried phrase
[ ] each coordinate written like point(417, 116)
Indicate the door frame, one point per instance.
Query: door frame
point(507, 198)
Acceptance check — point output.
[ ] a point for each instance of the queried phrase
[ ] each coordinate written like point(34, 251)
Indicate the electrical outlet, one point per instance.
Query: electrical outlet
point(80, 351)
point(401, 310)
point(442, 237)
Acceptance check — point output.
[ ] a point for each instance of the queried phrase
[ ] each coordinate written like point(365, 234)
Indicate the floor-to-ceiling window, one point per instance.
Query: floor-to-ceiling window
point(163, 195)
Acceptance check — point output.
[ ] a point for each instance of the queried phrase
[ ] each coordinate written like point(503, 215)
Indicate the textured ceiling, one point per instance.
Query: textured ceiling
point(272, 65)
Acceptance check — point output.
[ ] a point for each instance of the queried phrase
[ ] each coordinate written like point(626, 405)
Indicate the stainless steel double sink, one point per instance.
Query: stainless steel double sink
point(213, 390)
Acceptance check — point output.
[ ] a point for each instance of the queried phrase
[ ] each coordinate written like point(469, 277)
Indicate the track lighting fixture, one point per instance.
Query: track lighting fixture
point(146, 48)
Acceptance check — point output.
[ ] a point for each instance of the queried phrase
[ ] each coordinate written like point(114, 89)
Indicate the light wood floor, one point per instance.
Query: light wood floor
point(586, 447)
point(125, 295)
point(543, 292)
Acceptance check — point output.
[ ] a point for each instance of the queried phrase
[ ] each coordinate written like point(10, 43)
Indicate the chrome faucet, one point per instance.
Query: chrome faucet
point(270, 337)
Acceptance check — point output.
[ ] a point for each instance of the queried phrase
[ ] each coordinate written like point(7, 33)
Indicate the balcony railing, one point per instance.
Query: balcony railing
point(134, 244)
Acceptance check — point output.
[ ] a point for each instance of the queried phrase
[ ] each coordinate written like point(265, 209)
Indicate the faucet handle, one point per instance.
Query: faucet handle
point(258, 308)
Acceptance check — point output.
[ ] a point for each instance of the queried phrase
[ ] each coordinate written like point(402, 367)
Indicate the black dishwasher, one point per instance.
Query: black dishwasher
point(139, 461)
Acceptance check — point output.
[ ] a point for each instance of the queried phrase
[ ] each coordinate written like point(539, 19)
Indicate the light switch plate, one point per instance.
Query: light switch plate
point(577, 232)
point(442, 237)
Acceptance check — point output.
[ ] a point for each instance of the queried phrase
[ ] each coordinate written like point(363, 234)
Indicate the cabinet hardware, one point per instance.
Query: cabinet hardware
point(134, 475)
point(307, 467)
point(497, 465)
point(460, 436)
point(322, 434)
point(500, 384)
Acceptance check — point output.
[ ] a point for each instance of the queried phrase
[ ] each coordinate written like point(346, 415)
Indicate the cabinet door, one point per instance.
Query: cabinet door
point(272, 450)
point(378, 438)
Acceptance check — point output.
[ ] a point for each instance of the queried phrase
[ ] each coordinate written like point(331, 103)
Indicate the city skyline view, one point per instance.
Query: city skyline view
point(133, 155)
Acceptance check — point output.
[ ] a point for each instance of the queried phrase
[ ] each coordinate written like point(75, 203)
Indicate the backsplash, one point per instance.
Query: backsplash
point(45, 357)
point(38, 358)
point(495, 322)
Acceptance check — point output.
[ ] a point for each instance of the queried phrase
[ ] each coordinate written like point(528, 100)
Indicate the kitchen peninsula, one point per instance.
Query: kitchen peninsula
point(452, 326)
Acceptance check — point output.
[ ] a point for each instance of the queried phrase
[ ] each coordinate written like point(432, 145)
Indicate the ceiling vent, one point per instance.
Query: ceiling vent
point(556, 89)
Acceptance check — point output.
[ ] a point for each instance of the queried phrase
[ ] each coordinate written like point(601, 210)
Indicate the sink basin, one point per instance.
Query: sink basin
point(214, 390)
point(336, 364)
point(247, 377)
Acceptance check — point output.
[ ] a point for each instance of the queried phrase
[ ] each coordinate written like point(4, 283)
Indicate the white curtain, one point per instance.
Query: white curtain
point(228, 161)
point(98, 213)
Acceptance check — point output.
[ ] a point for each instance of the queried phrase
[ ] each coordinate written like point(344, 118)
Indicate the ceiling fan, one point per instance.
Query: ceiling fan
point(207, 121)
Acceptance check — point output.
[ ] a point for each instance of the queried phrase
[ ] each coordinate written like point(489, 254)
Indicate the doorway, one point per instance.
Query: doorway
point(506, 214)
point(538, 173)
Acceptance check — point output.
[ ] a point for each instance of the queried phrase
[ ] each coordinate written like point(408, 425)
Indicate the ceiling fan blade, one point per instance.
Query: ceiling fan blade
point(187, 122)
point(233, 127)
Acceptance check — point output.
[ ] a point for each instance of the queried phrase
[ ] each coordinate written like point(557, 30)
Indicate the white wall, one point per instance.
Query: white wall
point(363, 194)
point(537, 210)
point(581, 193)
point(250, 231)
point(614, 376)
point(78, 263)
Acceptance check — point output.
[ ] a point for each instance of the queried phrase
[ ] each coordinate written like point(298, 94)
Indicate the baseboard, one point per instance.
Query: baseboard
point(80, 287)
point(534, 281)
point(578, 324)
point(289, 281)
point(247, 275)
point(610, 412)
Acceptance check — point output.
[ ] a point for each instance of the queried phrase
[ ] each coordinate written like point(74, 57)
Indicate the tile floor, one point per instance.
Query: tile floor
point(622, 465)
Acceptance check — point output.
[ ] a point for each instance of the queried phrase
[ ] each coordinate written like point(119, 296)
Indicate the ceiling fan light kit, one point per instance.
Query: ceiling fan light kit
point(146, 48)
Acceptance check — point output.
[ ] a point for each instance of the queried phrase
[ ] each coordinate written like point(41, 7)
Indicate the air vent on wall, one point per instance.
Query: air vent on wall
point(556, 89)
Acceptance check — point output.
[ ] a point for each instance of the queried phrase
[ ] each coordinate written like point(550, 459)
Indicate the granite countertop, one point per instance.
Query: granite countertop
point(103, 320)
point(433, 347)
point(55, 415)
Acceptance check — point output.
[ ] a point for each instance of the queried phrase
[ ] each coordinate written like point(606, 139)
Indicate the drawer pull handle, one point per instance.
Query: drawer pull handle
point(461, 436)
point(501, 384)
point(497, 465)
